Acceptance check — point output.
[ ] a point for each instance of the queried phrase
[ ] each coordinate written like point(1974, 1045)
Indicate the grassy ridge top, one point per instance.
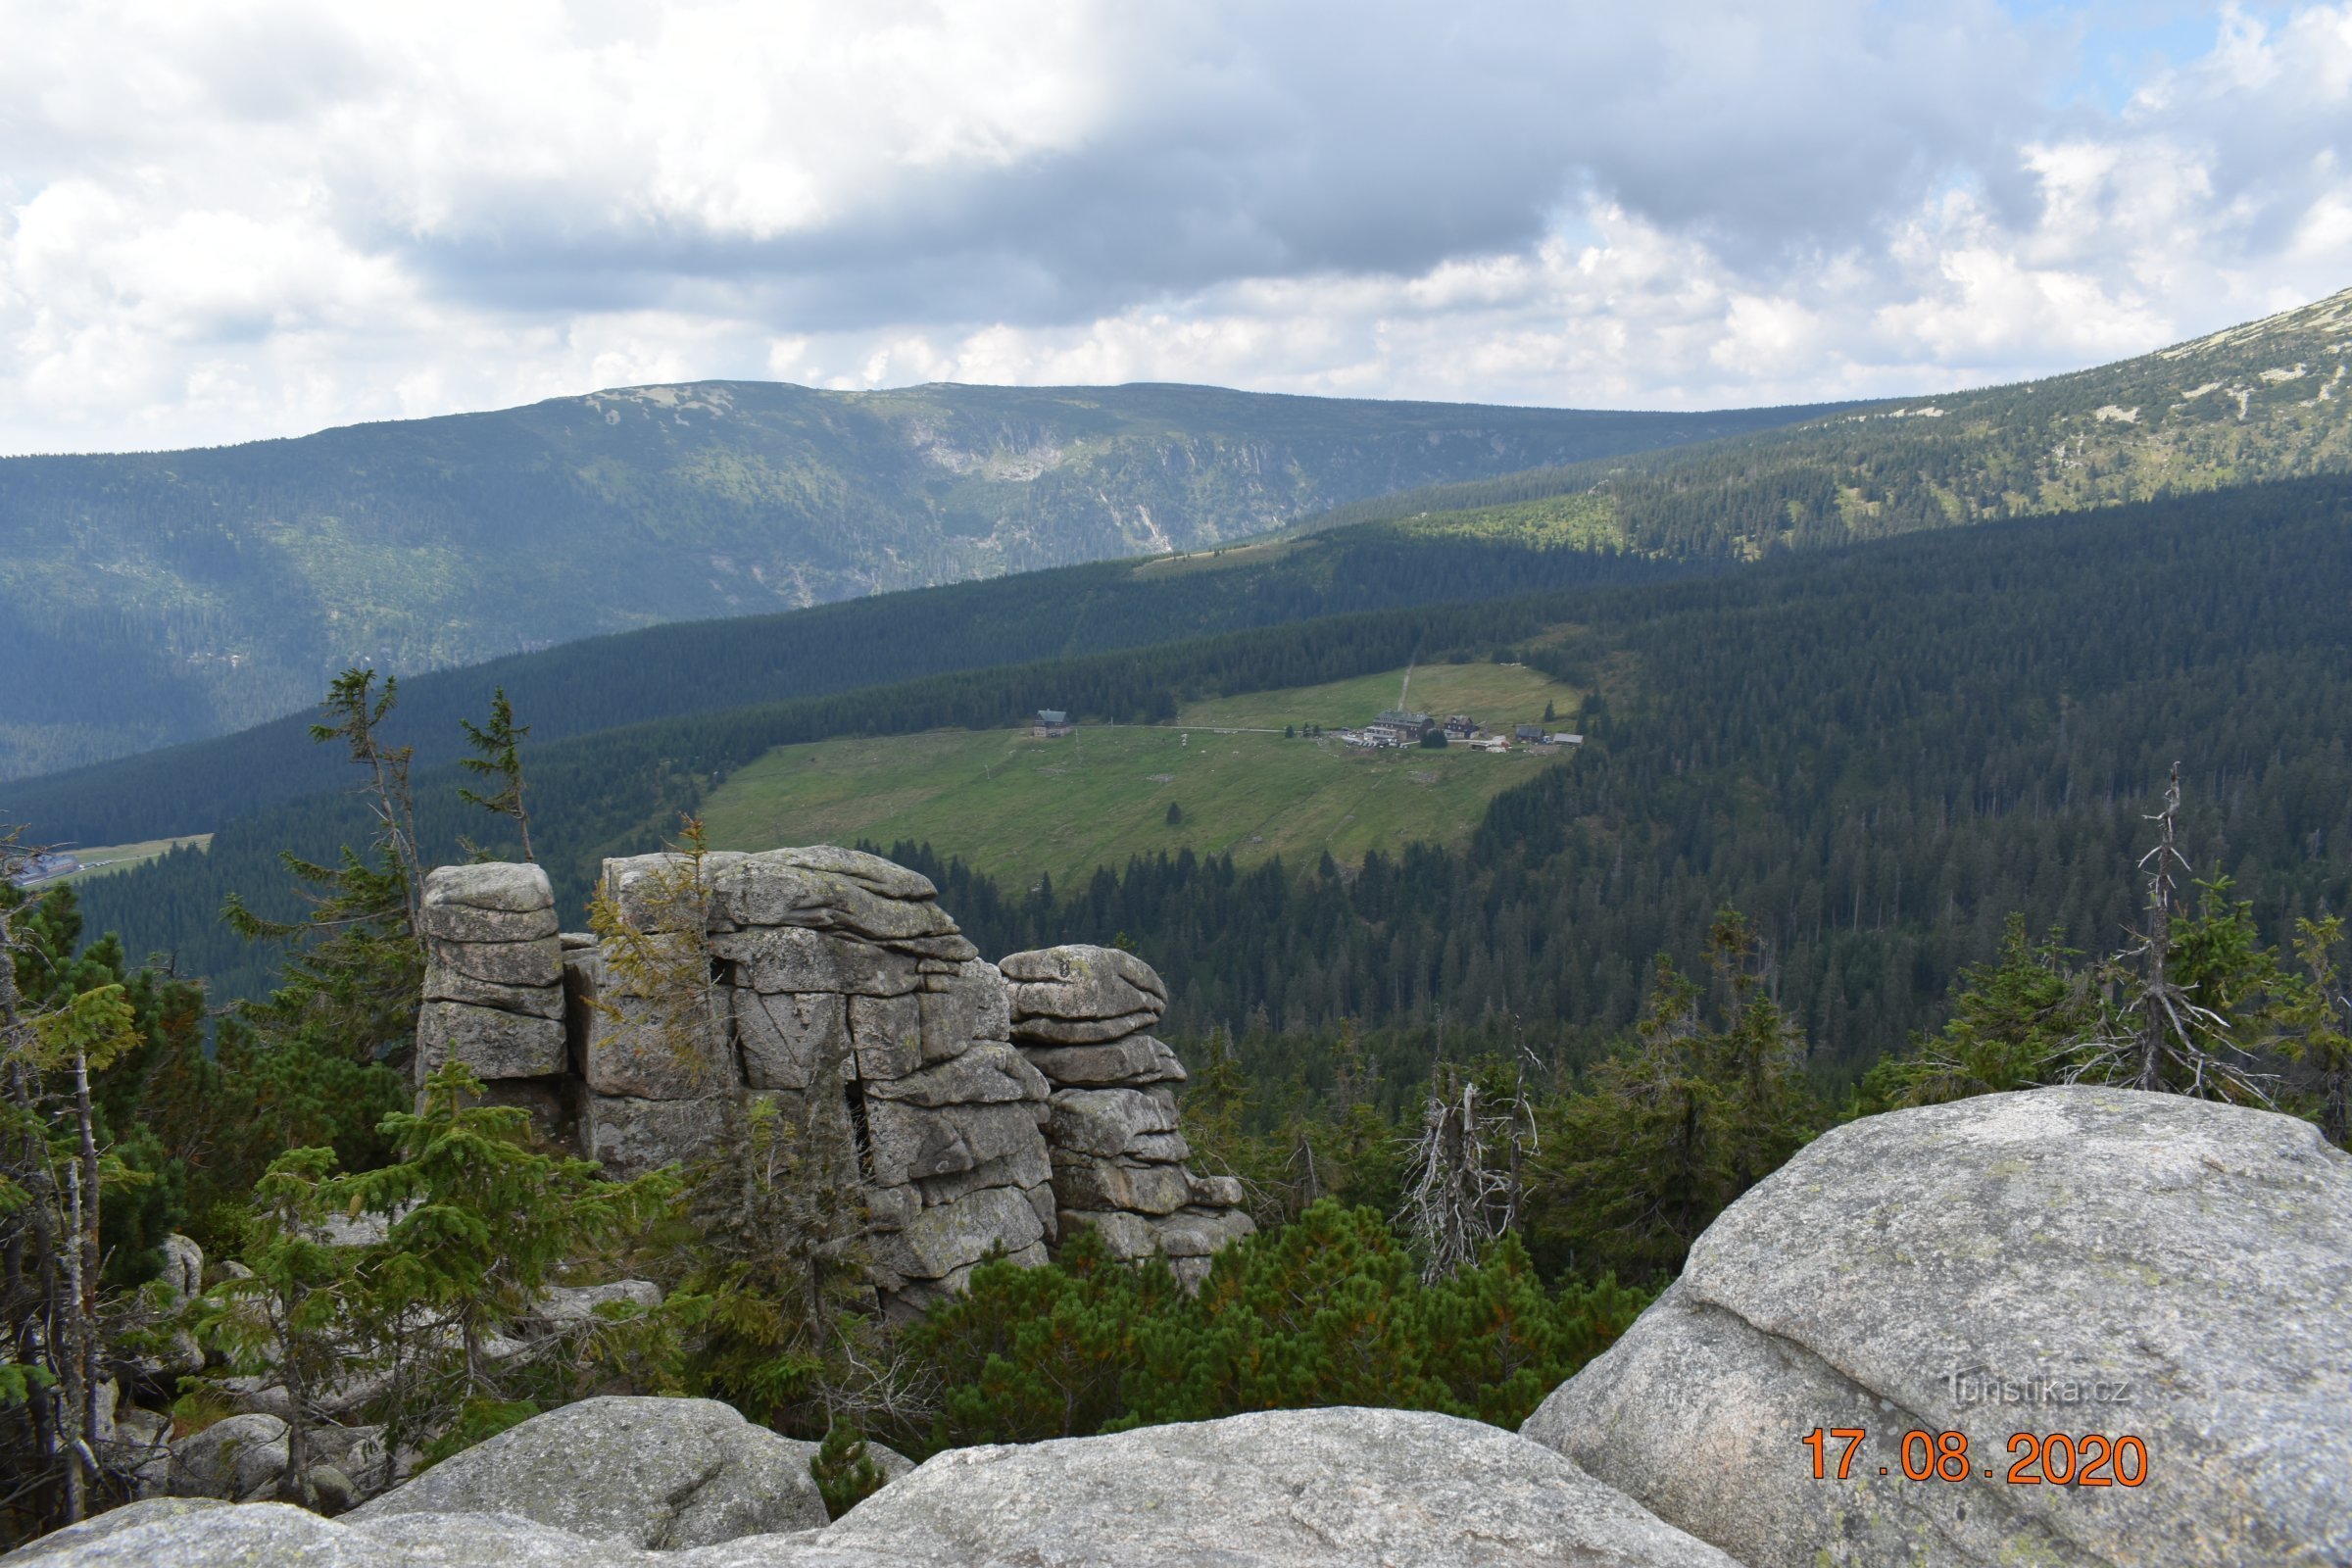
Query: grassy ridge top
point(1013, 806)
point(2267, 400)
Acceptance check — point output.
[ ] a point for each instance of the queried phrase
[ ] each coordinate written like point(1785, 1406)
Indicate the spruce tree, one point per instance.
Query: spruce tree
point(499, 748)
point(354, 965)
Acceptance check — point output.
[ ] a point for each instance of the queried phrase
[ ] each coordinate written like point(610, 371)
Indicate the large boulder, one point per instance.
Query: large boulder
point(2071, 1260)
point(241, 1457)
point(674, 1048)
point(907, 1143)
point(1079, 982)
point(651, 1473)
point(946, 1237)
point(499, 901)
point(1278, 1487)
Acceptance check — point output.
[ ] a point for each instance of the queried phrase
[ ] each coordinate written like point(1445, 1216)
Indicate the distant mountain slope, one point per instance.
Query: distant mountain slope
point(2269, 400)
point(700, 666)
point(153, 598)
point(1877, 752)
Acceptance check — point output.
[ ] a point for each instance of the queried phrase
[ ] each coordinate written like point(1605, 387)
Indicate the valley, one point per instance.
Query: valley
point(700, 864)
point(203, 592)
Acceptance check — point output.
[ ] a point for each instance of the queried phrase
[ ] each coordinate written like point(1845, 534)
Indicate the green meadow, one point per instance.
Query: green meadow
point(111, 857)
point(1013, 806)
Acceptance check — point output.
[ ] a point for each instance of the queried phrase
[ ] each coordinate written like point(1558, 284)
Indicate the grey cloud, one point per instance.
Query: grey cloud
point(1317, 139)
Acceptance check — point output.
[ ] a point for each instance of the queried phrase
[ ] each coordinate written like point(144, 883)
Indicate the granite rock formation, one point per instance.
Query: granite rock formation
point(2077, 1260)
point(1083, 1017)
point(986, 1112)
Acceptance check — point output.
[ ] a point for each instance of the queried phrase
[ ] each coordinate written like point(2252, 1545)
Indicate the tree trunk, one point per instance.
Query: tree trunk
point(85, 1305)
point(73, 1420)
point(294, 1485)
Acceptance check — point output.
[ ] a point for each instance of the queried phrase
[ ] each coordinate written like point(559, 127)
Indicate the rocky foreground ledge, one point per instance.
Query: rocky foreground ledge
point(2078, 1261)
point(1272, 1490)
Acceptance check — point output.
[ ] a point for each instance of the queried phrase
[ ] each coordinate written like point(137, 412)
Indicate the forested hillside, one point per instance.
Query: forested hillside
point(712, 666)
point(1877, 753)
point(153, 598)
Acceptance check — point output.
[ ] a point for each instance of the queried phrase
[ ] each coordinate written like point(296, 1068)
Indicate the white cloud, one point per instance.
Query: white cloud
point(255, 217)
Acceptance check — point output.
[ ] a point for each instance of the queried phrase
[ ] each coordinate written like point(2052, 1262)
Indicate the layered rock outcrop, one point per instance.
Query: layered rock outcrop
point(2075, 1261)
point(1083, 1017)
point(494, 974)
point(980, 1113)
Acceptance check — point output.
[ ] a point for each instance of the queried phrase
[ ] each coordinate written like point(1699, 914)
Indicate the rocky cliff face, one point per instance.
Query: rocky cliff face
point(988, 1108)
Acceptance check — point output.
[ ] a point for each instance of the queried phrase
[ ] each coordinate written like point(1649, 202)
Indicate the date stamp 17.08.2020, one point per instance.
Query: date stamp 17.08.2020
point(2034, 1458)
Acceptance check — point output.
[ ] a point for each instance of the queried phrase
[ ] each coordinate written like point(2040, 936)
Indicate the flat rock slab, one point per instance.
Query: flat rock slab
point(785, 887)
point(649, 1473)
point(1080, 981)
point(1367, 1488)
point(1107, 1122)
point(493, 903)
point(1135, 1061)
point(192, 1533)
point(537, 962)
point(494, 1043)
point(1047, 1031)
point(795, 959)
point(885, 878)
point(2076, 1260)
point(984, 1075)
point(444, 984)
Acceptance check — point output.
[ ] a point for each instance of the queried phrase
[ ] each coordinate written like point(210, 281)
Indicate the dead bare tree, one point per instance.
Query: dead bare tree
point(1465, 1174)
point(2161, 1037)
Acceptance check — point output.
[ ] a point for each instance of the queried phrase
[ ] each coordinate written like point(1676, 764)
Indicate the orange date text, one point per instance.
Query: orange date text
point(2034, 1458)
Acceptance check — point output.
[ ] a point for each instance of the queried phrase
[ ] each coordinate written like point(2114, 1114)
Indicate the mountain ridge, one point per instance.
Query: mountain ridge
point(187, 593)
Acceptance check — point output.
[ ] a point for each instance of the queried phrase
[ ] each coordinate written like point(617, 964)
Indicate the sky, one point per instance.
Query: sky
point(221, 221)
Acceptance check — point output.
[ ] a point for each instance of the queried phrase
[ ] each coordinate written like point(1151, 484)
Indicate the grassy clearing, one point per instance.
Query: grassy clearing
point(1015, 806)
point(111, 857)
point(1497, 696)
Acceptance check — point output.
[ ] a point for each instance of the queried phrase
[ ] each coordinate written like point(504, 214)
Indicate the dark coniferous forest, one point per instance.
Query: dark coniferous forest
point(1877, 754)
